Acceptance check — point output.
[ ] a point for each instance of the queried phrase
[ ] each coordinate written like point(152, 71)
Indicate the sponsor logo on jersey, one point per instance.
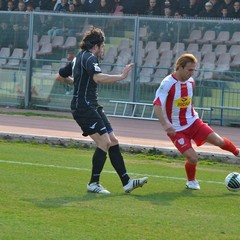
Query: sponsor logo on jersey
point(96, 67)
point(183, 102)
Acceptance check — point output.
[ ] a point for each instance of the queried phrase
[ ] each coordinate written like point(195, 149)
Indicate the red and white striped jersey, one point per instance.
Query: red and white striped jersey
point(175, 98)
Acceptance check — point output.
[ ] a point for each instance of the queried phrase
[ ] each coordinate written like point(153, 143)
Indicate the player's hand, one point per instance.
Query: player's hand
point(68, 80)
point(169, 129)
point(126, 70)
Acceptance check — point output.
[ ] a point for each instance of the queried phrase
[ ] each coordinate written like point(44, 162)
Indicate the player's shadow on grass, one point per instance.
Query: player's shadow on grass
point(158, 198)
point(58, 202)
point(166, 198)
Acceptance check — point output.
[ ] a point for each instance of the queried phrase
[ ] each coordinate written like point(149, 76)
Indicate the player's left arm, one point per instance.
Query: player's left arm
point(65, 74)
point(106, 78)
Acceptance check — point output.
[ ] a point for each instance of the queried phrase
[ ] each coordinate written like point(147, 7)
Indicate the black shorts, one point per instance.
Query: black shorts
point(92, 120)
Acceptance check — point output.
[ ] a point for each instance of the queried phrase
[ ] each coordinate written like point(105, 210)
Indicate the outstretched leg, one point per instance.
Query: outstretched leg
point(119, 166)
point(222, 142)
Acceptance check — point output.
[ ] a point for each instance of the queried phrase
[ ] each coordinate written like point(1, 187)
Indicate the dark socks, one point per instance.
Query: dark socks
point(118, 163)
point(98, 161)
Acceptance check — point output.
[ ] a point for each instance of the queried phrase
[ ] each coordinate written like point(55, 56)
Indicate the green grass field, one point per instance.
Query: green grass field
point(43, 196)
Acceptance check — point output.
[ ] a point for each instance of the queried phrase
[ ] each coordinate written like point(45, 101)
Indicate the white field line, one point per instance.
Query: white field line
point(111, 172)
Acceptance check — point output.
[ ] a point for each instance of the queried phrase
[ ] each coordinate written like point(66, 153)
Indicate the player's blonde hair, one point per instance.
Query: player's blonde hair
point(184, 59)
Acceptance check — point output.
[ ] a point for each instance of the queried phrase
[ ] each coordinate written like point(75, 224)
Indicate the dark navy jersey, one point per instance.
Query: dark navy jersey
point(82, 68)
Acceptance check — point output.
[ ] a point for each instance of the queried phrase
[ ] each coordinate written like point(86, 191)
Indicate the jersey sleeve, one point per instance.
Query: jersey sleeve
point(161, 93)
point(66, 71)
point(93, 66)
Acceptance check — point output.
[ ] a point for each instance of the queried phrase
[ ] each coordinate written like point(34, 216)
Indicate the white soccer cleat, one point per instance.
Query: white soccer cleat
point(134, 183)
point(97, 188)
point(194, 185)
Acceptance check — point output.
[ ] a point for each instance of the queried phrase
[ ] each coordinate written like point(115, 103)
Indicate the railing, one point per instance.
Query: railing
point(144, 110)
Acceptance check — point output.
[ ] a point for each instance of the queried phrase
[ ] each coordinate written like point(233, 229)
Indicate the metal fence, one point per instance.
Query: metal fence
point(34, 45)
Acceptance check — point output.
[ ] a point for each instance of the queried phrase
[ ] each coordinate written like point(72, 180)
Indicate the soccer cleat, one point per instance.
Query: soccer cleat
point(194, 185)
point(134, 183)
point(97, 188)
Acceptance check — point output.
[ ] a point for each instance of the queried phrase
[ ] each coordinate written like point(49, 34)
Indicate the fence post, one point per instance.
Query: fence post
point(29, 64)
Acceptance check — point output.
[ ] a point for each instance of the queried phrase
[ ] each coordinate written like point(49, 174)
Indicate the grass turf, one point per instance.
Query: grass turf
point(43, 196)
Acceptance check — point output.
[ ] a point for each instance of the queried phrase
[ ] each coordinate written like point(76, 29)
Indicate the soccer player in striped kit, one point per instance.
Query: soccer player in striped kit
point(174, 108)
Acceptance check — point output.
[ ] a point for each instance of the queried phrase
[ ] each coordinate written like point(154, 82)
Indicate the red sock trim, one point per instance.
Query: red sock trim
point(229, 146)
point(190, 170)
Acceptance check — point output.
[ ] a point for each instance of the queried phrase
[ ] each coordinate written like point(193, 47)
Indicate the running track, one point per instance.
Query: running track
point(130, 132)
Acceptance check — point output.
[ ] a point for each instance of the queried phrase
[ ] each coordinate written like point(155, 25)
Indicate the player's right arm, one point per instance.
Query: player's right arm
point(158, 103)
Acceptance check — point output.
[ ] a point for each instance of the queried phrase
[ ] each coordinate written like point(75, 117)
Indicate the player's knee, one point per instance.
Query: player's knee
point(192, 159)
point(104, 145)
point(114, 142)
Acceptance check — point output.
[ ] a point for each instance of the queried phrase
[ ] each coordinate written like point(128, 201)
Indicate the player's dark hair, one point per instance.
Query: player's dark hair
point(184, 59)
point(91, 38)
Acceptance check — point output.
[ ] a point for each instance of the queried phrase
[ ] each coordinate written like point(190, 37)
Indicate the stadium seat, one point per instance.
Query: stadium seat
point(15, 57)
point(223, 62)
point(236, 61)
point(70, 42)
point(195, 35)
point(44, 39)
point(111, 51)
point(167, 55)
point(152, 54)
point(108, 59)
point(117, 69)
point(110, 56)
point(208, 61)
point(198, 55)
point(124, 56)
point(192, 47)
point(46, 49)
point(222, 37)
point(141, 55)
point(235, 39)
point(57, 41)
point(220, 48)
point(178, 47)
point(4, 54)
point(159, 75)
point(145, 75)
point(86, 27)
point(150, 45)
point(164, 46)
point(206, 48)
point(143, 34)
point(234, 50)
point(125, 43)
point(208, 37)
point(178, 54)
point(162, 70)
point(106, 68)
point(26, 54)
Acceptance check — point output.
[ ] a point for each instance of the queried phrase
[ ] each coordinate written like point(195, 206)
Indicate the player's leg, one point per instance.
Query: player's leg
point(98, 162)
point(182, 142)
point(114, 150)
point(116, 158)
point(93, 126)
point(117, 161)
point(222, 142)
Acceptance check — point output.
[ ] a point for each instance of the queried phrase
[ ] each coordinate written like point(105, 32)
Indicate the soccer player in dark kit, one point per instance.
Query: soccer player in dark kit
point(90, 116)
